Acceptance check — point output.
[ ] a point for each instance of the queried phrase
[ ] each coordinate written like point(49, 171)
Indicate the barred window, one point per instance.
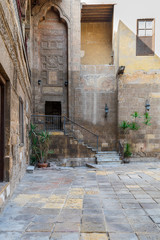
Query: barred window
point(145, 37)
point(21, 123)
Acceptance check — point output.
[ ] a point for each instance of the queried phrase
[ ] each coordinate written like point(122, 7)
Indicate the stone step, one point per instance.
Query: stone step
point(30, 169)
point(107, 153)
point(109, 164)
point(108, 157)
point(94, 150)
point(4, 193)
point(108, 160)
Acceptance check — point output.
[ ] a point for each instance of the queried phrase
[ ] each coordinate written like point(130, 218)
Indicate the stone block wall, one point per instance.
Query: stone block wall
point(96, 43)
point(98, 87)
point(65, 147)
point(14, 70)
point(69, 15)
point(133, 92)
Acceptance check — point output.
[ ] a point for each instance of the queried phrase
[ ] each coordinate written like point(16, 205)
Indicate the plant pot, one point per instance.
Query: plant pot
point(126, 160)
point(42, 165)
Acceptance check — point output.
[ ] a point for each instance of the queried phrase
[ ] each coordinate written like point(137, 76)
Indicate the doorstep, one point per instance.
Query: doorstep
point(4, 193)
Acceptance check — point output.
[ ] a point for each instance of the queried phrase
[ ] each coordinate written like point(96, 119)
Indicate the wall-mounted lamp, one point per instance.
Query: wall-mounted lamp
point(147, 106)
point(121, 70)
point(106, 110)
point(39, 82)
point(66, 84)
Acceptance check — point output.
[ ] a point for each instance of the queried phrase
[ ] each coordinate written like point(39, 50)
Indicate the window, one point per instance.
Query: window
point(21, 125)
point(145, 37)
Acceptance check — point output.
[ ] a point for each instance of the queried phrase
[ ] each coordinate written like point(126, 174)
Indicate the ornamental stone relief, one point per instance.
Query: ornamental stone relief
point(52, 35)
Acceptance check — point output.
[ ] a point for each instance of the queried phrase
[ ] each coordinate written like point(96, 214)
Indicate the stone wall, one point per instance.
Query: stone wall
point(96, 43)
point(90, 87)
point(90, 74)
point(52, 62)
point(69, 16)
point(98, 87)
point(66, 147)
point(133, 92)
point(14, 70)
point(140, 82)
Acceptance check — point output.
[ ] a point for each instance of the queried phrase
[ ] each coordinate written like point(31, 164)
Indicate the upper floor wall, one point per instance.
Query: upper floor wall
point(124, 33)
point(126, 38)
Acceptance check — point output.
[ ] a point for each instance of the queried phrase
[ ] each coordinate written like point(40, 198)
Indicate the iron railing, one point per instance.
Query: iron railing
point(70, 128)
point(48, 122)
point(81, 134)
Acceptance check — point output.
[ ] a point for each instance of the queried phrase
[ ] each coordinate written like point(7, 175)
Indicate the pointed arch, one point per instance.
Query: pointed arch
point(43, 10)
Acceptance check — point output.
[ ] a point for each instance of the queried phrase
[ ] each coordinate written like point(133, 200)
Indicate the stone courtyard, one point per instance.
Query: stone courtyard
point(119, 202)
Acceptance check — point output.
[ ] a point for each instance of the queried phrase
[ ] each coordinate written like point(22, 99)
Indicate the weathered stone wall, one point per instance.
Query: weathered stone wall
point(96, 43)
point(16, 74)
point(52, 62)
point(98, 87)
point(133, 92)
point(69, 12)
point(66, 147)
point(91, 85)
point(140, 82)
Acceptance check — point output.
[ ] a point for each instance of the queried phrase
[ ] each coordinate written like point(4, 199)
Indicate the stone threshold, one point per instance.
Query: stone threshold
point(4, 193)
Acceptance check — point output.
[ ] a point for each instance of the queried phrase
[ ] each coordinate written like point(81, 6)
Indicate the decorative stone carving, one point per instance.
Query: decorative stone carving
point(53, 77)
point(52, 62)
point(53, 90)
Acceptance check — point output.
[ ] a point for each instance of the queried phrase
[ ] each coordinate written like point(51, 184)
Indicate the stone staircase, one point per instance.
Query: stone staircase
point(108, 157)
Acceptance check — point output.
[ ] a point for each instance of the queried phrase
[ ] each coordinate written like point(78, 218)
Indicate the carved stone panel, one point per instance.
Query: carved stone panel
point(53, 77)
point(52, 51)
point(53, 47)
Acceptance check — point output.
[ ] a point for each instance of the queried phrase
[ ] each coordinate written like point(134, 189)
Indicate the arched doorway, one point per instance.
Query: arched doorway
point(52, 64)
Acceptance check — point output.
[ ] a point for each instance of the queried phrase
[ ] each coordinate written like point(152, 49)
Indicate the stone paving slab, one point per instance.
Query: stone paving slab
point(113, 203)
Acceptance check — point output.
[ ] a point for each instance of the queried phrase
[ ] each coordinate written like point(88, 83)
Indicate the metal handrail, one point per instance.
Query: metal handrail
point(73, 129)
point(81, 128)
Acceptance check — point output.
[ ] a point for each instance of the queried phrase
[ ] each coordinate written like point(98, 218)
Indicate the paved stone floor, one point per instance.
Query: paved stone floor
point(116, 203)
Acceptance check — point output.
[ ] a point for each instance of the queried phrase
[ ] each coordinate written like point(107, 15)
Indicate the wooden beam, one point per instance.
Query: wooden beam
point(97, 13)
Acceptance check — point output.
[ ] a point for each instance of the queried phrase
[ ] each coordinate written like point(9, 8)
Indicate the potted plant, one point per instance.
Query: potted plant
point(127, 153)
point(40, 144)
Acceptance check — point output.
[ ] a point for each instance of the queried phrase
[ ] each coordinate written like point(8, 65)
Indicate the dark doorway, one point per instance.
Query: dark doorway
point(53, 115)
point(2, 86)
point(53, 108)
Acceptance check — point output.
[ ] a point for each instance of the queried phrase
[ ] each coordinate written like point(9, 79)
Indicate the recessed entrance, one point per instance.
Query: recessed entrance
point(1, 131)
point(53, 118)
point(53, 108)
